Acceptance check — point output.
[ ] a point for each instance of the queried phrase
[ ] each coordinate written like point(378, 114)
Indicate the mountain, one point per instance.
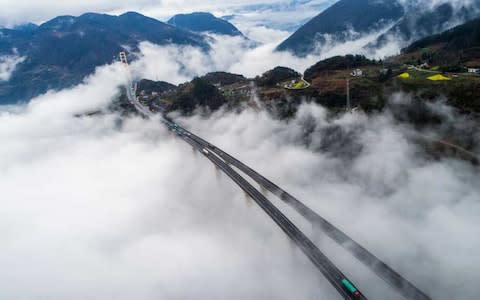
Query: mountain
point(204, 22)
point(347, 62)
point(457, 46)
point(419, 22)
point(62, 51)
point(197, 93)
point(150, 86)
point(275, 76)
point(402, 22)
point(338, 22)
point(223, 78)
point(26, 27)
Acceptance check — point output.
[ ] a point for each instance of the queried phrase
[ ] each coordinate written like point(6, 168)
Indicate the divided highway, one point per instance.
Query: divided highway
point(326, 267)
point(223, 161)
point(395, 280)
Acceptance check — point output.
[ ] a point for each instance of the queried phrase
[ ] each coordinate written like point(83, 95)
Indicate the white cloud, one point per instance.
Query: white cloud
point(391, 199)
point(423, 4)
point(355, 44)
point(99, 207)
point(263, 34)
point(177, 64)
point(109, 207)
point(8, 64)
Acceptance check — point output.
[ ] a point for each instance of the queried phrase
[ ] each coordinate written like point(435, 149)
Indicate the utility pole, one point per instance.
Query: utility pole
point(348, 108)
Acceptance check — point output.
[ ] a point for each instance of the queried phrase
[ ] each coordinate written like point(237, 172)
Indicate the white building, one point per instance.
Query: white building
point(357, 73)
point(424, 66)
point(474, 70)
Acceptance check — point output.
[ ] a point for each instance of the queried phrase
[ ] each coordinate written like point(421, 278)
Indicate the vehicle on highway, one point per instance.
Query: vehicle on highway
point(205, 151)
point(350, 288)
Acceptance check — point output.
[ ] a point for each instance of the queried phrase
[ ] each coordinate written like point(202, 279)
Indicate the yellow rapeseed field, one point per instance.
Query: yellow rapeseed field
point(438, 77)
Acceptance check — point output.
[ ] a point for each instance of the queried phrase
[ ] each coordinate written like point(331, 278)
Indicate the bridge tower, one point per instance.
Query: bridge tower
point(123, 57)
point(131, 87)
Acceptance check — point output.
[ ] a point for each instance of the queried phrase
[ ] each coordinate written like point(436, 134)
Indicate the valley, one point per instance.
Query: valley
point(240, 150)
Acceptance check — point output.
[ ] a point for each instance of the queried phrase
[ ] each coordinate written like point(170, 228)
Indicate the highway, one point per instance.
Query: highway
point(381, 269)
point(326, 267)
point(132, 98)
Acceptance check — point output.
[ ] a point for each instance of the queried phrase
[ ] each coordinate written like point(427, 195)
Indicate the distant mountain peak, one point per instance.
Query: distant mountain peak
point(200, 13)
point(131, 14)
point(27, 27)
point(58, 22)
point(204, 22)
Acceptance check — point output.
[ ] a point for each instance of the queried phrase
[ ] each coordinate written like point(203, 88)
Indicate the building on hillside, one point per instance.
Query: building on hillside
point(424, 66)
point(474, 70)
point(357, 73)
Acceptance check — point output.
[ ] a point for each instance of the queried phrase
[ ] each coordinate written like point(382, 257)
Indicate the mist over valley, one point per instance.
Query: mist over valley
point(251, 150)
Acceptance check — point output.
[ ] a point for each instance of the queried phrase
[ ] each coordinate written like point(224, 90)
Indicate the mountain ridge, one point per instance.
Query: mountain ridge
point(338, 20)
point(62, 51)
point(459, 46)
point(204, 22)
point(415, 26)
point(351, 19)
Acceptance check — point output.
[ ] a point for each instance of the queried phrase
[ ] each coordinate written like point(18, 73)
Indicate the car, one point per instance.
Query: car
point(205, 151)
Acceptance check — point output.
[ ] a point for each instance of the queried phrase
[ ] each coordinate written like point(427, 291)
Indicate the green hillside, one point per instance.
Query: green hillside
point(459, 45)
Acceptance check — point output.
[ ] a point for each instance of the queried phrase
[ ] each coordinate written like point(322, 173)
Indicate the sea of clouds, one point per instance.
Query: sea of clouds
point(178, 64)
point(106, 206)
point(112, 207)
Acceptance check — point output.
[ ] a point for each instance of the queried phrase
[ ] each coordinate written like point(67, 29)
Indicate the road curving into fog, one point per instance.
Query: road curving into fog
point(223, 161)
point(403, 286)
point(320, 260)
